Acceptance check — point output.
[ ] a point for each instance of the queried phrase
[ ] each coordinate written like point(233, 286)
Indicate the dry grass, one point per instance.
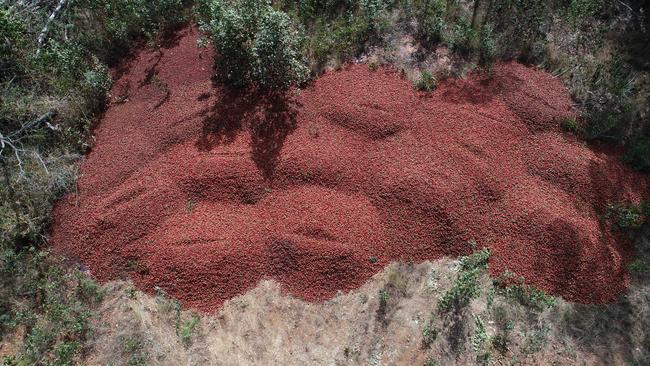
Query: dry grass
point(265, 326)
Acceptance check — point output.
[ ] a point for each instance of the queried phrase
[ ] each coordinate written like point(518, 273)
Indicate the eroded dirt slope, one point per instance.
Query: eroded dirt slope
point(204, 192)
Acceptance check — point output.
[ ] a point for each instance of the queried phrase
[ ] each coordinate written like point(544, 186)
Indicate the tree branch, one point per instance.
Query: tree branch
point(43, 34)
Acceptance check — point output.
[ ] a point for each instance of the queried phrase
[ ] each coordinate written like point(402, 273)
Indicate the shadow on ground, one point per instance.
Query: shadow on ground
point(269, 118)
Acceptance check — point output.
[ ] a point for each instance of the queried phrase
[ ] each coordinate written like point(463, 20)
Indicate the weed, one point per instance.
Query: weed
point(382, 309)
point(638, 267)
point(489, 301)
point(363, 298)
point(484, 358)
point(397, 280)
point(87, 288)
point(134, 265)
point(427, 82)
point(133, 346)
point(477, 260)
point(190, 206)
point(431, 362)
point(432, 281)
point(187, 328)
point(500, 342)
point(466, 287)
point(579, 10)
point(383, 298)
point(464, 290)
point(638, 155)
point(536, 341)
point(626, 216)
point(429, 334)
point(480, 334)
point(504, 326)
point(513, 287)
point(570, 124)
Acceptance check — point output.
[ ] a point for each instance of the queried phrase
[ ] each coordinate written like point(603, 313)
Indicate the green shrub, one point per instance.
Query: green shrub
point(12, 41)
point(626, 216)
point(256, 45)
point(429, 334)
point(279, 61)
point(477, 260)
point(464, 290)
point(638, 267)
point(384, 296)
point(570, 124)
point(427, 82)
point(466, 287)
point(125, 21)
point(374, 12)
point(480, 334)
point(463, 39)
point(487, 51)
point(638, 155)
point(429, 15)
point(579, 10)
point(187, 328)
point(431, 362)
point(536, 341)
point(512, 286)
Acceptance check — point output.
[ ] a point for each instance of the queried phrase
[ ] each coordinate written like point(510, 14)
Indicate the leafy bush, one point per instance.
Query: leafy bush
point(466, 287)
point(256, 45)
point(571, 125)
point(429, 334)
point(12, 40)
point(277, 53)
point(427, 82)
point(429, 15)
point(512, 286)
point(478, 260)
point(480, 334)
point(487, 50)
point(60, 81)
point(626, 216)
point(638, 155)
point(187, 329)
point(463, 38)
point(374, 12)
point(124, 21)
point(579, 10)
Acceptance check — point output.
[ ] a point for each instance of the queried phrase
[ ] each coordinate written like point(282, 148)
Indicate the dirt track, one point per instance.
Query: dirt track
point(203, 192)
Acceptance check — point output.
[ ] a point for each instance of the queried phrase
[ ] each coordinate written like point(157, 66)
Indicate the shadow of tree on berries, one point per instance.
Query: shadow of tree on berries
point(268, 117)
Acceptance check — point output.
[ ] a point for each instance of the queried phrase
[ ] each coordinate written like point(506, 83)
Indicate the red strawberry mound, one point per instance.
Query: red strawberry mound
point(204, 192)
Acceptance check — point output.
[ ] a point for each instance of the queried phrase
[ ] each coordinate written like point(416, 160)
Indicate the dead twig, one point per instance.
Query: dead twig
point(13, 142)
